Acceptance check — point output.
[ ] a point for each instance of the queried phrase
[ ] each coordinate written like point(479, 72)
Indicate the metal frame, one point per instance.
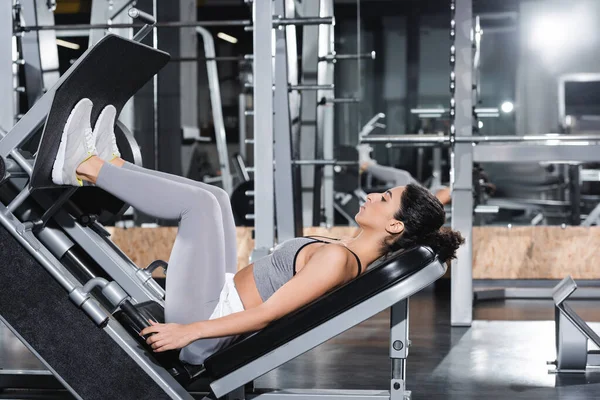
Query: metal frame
point(217, 109)
point(275, 22)
point(307, 140)
point(7, 67)
point(102, 12)
point(390, 297)
point(25, 237)
point(263, 128)
point(572, 333)
point(112, 260)
point(39, 51)
point(284, 184)
point(325, 115)
point(558, 153)
point(461, 309)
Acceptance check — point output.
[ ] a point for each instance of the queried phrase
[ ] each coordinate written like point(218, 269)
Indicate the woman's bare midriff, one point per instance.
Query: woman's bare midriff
point(246, 286)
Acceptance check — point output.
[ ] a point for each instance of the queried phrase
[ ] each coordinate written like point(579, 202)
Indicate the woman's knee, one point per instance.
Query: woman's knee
point(222, 198)
point(200, 200)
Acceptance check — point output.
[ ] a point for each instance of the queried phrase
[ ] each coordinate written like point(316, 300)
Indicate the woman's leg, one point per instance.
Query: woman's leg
point(395, 176)
point(197, 262)
point(196, 265)
point(226, 214)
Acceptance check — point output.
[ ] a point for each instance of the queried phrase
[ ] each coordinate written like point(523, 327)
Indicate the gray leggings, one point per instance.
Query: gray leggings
point(205, 247)
point(398, 177)
point(393, 176)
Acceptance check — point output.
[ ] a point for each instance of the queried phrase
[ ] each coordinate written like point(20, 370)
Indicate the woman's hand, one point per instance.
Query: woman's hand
point(169, 336)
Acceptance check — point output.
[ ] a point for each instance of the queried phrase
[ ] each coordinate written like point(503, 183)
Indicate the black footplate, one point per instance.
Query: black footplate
point(111, 72)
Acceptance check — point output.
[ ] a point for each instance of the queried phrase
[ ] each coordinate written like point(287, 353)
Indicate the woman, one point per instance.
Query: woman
point(206, 304)
point(394, 176)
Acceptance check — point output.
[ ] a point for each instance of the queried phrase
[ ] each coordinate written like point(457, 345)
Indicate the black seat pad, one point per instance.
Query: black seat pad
point(111, 72)
point(378, 278)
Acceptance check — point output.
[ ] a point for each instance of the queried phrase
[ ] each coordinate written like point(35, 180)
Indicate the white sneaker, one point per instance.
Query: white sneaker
point(104, 132)
point(77, 144)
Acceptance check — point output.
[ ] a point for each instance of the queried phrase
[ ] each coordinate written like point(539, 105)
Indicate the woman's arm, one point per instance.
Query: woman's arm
point(325, 271)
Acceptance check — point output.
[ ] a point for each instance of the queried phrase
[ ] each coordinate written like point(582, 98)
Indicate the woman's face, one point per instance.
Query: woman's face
point(379, 209)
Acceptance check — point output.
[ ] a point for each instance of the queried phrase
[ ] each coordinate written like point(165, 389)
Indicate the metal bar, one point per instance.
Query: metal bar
point(284, 190)
point(312, 87)
point(179, 24)
point(553, 138)
point(399, 342)
point(204, 59)
point(424, 111)
point(142, 33)
point(155, 109)
point(39, 51)
point(482, 294)
point(461, 173)
point(242, 125)
point(19, 199)
point(25, 164)
point(49, 213)
point(170, 24)
point(146, 18)
point(263, 128)
point(294, 9)
point(299, 21)
point(409, 139)
point(217, 109)
point(28, 125)
point(320, 394)
point(142, 16)
point(325, 115)
point(532, 152)
point(304, 21)
point(300, 87)
point(306, 136)
point(337, 57)
point(324, 162)
point(7, 69)
point(343, 100)
point(248, 57)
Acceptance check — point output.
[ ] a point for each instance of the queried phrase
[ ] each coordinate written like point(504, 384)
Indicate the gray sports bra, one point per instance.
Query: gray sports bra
point(276, 269)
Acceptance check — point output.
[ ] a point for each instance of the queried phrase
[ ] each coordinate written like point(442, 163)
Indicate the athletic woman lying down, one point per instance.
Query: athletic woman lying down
point(207, 303)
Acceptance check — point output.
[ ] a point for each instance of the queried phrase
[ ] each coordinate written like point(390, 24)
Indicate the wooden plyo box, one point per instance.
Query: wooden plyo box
point(536, 252)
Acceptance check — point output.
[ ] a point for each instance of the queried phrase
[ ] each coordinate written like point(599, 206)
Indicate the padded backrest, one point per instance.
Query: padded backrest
point(378, 277)
point(111, 72)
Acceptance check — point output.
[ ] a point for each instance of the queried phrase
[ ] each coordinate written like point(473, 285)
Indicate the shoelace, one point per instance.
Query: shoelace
point(89, 139)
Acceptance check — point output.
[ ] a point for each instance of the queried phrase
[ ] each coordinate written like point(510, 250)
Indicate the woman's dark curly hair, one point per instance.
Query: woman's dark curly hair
point(423, 216)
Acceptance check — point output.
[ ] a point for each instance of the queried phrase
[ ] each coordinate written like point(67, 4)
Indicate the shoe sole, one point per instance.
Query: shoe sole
point(59, 161)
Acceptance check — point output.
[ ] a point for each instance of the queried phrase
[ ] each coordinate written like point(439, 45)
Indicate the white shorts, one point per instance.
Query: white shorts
point(229, 303)
point(229, 299)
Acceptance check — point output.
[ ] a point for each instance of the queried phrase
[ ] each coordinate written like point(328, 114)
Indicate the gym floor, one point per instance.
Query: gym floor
point(502, 356)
